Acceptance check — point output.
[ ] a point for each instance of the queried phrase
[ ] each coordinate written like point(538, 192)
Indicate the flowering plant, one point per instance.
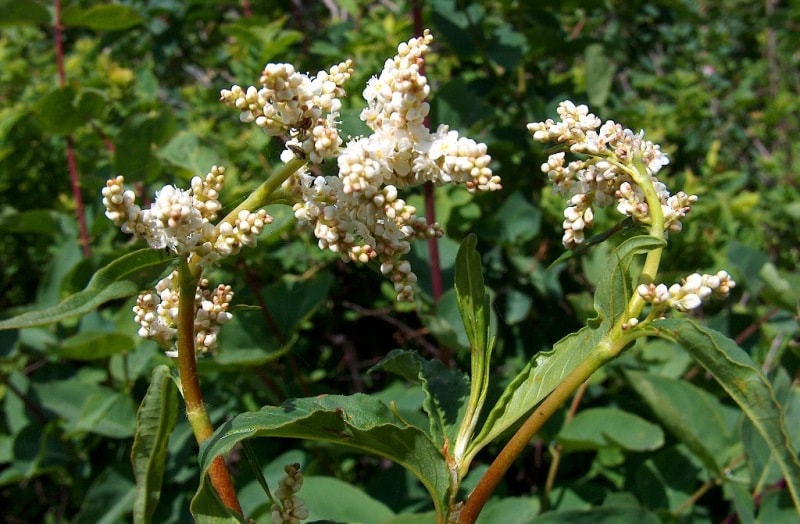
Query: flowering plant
point(358, 214)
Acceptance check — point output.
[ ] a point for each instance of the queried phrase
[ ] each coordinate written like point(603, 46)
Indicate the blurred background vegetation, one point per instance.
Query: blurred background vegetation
point(715, 83)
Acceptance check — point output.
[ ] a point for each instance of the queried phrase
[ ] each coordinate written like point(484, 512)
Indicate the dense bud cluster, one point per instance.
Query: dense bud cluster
point(358, 213)
point(691, 293)
point(606, 156)
point(156, 312)
point(289, 103)
point(181, 221)
point(288, 508)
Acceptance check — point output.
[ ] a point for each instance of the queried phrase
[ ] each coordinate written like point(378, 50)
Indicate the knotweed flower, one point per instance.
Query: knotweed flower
point(288, 508)
point(157, 313)
point(358, 213)
point(605, 156)
point(690, 294)
point(301, 107)
point(181, 220)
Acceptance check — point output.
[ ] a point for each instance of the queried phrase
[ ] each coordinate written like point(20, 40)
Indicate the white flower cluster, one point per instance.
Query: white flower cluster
point(600, 175)
point(289, 508)
point(157, 313)
point(290, 103)
point(693, 291)
point(181, 220)
point(358, 213)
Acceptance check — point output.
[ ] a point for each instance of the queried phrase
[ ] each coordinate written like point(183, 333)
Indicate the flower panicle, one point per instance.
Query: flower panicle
point(359, 213)
point(302, 107)
point(288, 508)
point(690, 294)
point(598, 173)
point(182, 220)
point(156, 312)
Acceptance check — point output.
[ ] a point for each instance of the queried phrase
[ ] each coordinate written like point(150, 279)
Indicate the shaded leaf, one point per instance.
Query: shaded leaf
point(694, 416)
point(123, 277)
point(108, 500)
point(350, 504)
point(445, 390)
point(356, 421)
point(599, 428)
point(185, 150)
point(155, 421)
point(88, 407)
point(102, 17)
point(92, 345)
point(743, 380)
point(14, 12)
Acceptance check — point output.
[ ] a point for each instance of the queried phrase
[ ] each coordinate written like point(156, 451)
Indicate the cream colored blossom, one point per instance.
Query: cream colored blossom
point(599, 176)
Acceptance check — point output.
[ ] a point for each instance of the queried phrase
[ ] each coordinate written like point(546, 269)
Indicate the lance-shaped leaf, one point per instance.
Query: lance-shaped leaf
point(123, 277)
point(154, 423)
point(547, 369)
point(357, 421)
point(744, 381)
point(445, 390)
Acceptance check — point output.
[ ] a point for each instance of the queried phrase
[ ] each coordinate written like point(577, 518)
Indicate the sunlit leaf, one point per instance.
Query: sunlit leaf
point(123, 277)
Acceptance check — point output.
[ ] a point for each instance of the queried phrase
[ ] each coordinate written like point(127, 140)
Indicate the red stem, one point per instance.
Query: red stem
point(72, 165)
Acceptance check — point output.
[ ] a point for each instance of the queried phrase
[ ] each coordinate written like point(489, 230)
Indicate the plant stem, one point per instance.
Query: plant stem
point(72, 164)
point(196, 412)
point(551, 473)
point(602, 353)
point(261, 196)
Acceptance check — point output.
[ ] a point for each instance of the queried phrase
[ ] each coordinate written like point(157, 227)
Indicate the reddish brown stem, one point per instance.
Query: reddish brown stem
point(190, 385)
point(72, 165)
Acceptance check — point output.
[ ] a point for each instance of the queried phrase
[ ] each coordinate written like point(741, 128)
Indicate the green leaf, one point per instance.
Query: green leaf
point(87, 407)
point(123, 277)
point(547, 369)
point(599, 428)
point(109, 499)
point(356, 421)
point(616, 287)
point(744, 381)
point(694, 416)
point(92, 345)
point(350, 504)
point(445, 390)
point(599, 75)
point(102, 17)
point(155, 421)
point(601, 515)
point(13, 12)
point(471, 294)
point(186, 151)
point(518, 220)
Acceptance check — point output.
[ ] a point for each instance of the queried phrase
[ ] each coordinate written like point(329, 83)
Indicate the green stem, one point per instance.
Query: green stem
point(196, 413)
point(261, 196)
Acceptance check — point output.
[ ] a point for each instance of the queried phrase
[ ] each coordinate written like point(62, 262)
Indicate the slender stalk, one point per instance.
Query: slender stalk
point(261, 196)
point(551, 473)
point(196, 411)
point(609, 347)
point(72, 164)
point(604, 352)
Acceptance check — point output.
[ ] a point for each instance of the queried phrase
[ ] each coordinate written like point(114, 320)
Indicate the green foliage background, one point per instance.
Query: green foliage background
point(714, 83)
